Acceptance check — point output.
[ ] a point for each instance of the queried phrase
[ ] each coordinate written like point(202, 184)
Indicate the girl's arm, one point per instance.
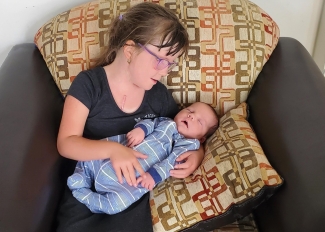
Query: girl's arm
point(72, 145)
point(192, 160)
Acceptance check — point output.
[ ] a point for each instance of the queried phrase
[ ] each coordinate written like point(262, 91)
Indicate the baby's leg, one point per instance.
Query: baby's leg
point(118, 196)
point(82, 176)
point(114, 199)
point(96, 202)
point(80, 183)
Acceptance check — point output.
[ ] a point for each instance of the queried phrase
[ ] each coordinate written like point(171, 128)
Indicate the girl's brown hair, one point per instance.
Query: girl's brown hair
point(145, 23)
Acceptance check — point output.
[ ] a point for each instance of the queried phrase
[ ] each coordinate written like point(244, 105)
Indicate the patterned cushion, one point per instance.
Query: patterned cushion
point(235, 177)
point(230, 41)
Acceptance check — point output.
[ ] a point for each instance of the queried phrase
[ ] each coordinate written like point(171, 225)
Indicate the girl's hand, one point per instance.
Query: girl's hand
point(191, 160)
point(125, 163)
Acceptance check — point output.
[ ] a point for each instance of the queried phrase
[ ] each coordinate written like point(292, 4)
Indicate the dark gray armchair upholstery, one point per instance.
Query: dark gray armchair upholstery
point(287, 112)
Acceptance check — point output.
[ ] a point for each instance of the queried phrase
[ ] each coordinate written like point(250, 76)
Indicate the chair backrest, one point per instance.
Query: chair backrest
point(230, 41)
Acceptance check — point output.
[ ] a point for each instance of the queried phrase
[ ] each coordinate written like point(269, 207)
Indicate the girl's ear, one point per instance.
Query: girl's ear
point(128, 49)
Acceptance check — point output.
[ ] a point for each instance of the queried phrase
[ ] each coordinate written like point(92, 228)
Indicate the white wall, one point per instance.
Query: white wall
point(20, 19)
point(319, 48)
point(295, 18)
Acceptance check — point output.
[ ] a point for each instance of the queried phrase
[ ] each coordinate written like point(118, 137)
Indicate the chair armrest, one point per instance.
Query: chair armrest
point(31, 168)
point(287, 112)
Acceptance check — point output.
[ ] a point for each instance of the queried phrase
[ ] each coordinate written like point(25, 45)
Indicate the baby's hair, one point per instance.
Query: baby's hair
point(145, 23)
point(214, 127)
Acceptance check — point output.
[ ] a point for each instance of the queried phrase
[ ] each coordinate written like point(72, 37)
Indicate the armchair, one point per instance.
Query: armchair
point(287, 111)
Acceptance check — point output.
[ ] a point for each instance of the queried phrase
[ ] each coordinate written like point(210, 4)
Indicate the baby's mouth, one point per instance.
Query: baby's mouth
point(186, 124)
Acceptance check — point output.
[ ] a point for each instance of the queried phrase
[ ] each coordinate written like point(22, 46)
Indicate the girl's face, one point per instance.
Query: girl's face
point(143, 66)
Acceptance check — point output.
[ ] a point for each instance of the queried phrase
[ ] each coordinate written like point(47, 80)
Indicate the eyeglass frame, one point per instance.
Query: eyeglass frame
point(170, 65)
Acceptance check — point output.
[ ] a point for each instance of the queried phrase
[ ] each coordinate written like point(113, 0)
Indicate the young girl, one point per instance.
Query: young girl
point(161, 139)
point(144, 44)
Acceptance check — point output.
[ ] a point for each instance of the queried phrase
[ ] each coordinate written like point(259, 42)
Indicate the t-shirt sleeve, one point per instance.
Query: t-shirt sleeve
point(165, 100)
point(172, 108)
point(83, 88)
point(161, 101)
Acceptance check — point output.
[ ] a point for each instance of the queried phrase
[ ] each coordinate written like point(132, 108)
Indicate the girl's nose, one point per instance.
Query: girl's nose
point(190, 116)
point(163, 72)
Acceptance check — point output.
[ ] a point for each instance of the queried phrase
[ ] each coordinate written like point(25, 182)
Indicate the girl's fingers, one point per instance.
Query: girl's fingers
point(119, 175)
point(183, 156)
point(181, 173)
point(128, 168)
point(140, 155)
point(182, 165)
point(126, 175)
point(131, 173)
point(138, 167)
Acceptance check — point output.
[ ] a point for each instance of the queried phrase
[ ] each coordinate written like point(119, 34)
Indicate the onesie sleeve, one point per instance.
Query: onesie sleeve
point(160, 171)
point(83, 88)
point(162, 101)
point(147, 125)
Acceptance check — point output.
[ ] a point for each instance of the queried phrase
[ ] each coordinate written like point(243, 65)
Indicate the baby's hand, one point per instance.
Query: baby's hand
point(135, 137)
point(146, 181)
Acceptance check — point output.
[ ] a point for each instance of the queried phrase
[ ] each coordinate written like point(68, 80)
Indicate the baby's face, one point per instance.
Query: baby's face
point(195, 121)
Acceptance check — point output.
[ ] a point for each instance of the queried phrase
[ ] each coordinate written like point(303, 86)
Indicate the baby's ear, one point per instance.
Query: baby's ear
point(202, 140)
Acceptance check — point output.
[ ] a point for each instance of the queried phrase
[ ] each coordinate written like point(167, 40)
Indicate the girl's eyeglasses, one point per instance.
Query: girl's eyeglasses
point(161, 63)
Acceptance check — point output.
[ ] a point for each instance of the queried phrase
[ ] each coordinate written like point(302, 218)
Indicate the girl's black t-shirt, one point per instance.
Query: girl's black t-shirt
point(105, 118)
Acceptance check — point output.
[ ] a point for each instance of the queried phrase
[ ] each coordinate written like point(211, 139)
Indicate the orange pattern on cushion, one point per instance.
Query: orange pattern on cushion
point(230, 41)
point(234, 176)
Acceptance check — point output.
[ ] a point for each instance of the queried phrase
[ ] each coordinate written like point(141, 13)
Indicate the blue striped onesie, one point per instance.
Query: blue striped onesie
point(162, 144)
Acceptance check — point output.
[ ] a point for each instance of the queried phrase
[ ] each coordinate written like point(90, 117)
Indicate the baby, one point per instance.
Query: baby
point(162, 140)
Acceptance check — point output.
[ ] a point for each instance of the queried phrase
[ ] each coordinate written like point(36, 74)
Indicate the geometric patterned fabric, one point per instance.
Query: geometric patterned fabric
point(234, 171)
point(230, 41)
